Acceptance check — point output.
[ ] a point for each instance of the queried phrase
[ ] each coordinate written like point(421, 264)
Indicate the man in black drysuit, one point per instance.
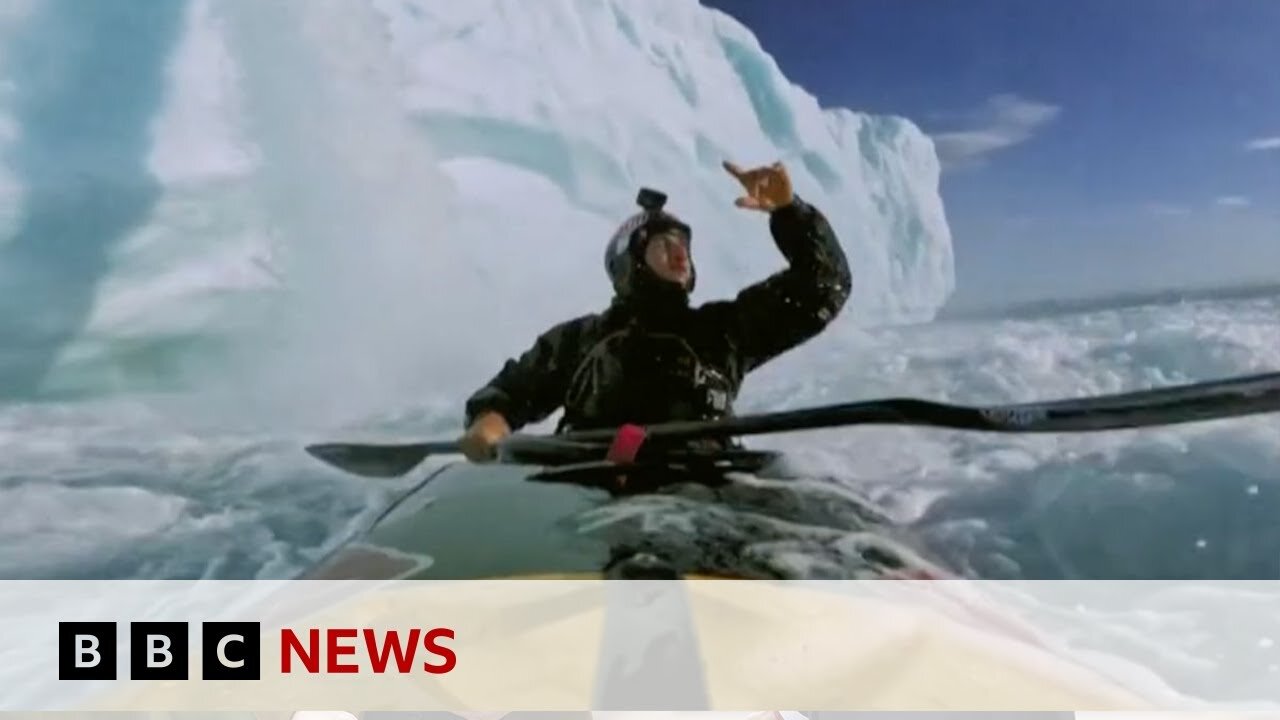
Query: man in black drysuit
point(651, 357)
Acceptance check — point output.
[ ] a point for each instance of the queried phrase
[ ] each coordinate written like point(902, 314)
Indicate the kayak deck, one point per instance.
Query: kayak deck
point(466, 521)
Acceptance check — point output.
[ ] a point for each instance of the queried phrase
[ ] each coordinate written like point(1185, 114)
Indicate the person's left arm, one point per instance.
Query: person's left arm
point(800, 301)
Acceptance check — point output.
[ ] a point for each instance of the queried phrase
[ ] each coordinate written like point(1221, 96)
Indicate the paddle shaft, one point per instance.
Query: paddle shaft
point(1161, 406)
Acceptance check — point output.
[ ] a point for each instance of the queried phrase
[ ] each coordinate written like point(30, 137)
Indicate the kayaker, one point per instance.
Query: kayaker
point(651, 357)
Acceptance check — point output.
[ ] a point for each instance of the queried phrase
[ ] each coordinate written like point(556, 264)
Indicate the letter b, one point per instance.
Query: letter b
point(158, 650)
point(86, 651)
point(87, 654)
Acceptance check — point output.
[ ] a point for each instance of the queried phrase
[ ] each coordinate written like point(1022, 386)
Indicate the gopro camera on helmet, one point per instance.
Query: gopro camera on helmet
point(651, 200)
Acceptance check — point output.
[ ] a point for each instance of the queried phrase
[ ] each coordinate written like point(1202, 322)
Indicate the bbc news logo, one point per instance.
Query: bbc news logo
point(159, 651)
point(233, 651)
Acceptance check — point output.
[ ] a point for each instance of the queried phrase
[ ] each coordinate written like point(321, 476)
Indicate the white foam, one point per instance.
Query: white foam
point(197, 137)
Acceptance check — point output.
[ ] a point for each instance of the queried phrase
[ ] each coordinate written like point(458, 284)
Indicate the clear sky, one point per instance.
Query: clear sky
point(1089, 146)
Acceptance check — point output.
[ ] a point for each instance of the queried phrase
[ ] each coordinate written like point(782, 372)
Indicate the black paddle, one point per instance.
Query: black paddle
point(385, 460)
point(1193, 402)
point(379, 460)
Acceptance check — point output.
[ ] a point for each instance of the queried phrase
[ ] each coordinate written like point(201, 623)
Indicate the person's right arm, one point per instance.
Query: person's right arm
point(526, 390)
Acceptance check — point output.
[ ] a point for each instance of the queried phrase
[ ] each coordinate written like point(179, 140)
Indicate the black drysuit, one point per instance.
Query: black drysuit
point(651, 357)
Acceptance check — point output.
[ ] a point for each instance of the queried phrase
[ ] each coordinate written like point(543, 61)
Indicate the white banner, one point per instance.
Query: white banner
point(725, 645)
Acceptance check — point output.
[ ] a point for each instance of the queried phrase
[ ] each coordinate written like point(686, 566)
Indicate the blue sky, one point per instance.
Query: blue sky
point(1089, 146)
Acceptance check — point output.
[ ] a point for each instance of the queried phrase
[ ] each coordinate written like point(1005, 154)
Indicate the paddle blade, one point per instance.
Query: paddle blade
point(1161, 406)
point(378, 461)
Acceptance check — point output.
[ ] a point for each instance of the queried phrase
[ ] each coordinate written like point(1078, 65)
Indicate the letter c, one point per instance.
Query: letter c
point(222, 651)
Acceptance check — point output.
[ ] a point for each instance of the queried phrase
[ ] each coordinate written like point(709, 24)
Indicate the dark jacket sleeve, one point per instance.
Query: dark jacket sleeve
point(794, 304)
point(529, 388)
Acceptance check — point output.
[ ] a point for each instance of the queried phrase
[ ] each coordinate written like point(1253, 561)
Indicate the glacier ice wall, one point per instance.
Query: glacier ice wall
point(349, 202)
point(549, 115)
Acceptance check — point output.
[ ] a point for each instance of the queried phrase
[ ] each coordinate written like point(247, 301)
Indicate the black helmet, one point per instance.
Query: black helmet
point(624, 256)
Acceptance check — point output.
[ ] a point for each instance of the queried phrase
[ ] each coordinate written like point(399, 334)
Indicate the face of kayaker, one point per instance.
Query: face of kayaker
point(667, 255)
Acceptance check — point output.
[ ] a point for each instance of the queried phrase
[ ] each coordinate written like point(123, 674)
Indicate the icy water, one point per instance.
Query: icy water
point(122, 488)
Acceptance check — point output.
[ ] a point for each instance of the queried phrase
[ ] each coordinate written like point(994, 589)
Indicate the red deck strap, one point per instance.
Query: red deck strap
point(626, 444)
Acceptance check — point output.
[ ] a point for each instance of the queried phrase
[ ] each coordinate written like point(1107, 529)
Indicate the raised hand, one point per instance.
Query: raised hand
point(768, 188)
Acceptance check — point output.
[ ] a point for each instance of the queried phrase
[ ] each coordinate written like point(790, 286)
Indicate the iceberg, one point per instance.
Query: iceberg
point(348, 199)
point(548, 116)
